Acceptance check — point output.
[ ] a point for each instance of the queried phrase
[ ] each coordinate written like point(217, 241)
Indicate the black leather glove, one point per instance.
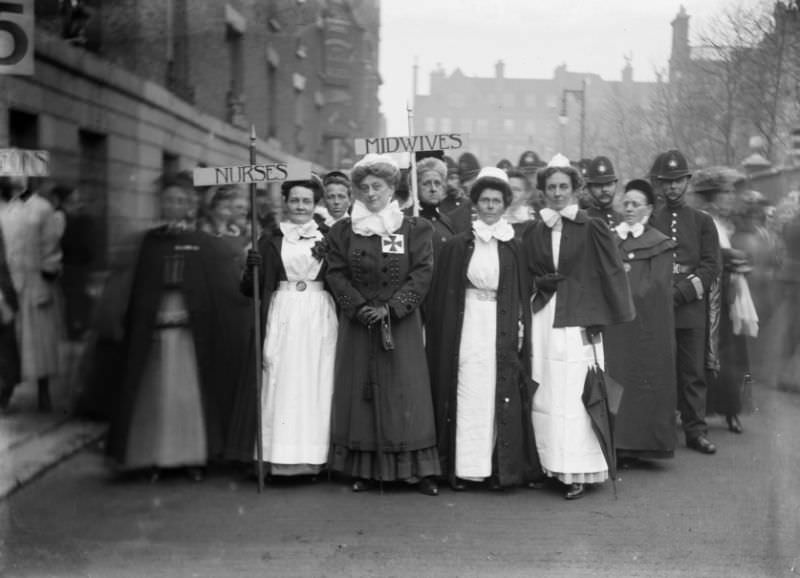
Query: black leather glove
point(253, 260)
point(547, 283)
point(364, 315)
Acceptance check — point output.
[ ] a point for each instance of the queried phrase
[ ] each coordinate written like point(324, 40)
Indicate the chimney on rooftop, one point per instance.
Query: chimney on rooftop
point(499, 69)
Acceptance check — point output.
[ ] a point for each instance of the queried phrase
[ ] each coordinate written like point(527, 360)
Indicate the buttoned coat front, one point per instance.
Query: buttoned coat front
point(361, 273)
point(697, 253)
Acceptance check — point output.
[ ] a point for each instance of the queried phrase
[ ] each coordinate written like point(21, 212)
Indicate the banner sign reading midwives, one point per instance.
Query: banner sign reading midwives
point(24, 163)
point(410, 144)
point(259, 173)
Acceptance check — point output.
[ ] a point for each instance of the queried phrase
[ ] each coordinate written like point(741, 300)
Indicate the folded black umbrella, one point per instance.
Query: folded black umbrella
point(601, 398)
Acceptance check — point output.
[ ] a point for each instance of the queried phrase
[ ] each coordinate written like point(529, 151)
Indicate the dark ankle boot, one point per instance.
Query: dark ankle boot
point(45, 403)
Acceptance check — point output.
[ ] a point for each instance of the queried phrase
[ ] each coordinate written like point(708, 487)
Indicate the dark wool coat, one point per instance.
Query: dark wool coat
point(515, 458)
point(459, 212)
point(640, 354)
point(9, 351)
point(359, 273)
point(241, 438)
point(595, 289)
point(609, 216)
point(697, 252)
point(148, 286)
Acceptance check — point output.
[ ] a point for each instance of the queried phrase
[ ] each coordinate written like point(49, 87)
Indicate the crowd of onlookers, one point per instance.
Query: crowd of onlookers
point(448, 336)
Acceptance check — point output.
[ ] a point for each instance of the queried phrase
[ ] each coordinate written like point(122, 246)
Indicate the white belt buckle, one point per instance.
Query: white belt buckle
point(300, 285)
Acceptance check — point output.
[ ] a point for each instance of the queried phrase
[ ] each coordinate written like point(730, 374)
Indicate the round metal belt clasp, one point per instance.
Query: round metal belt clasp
point(301, 285)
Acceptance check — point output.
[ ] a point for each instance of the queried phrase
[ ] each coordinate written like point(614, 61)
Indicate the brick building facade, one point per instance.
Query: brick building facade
point(506, 116)
point(125, 91)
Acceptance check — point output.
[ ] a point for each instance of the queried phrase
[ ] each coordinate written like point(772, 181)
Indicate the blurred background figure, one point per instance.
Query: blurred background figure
point(733, 318)
point(32, 233)
point(166, 413)
point(520, 210)
point(240, 216)
point(9, 350)
point(77, 257)
point(781, 345)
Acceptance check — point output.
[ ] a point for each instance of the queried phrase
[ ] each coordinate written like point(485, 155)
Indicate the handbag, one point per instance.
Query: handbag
point(387, 342)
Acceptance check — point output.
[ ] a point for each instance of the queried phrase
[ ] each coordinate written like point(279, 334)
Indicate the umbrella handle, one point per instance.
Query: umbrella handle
point(594, 351)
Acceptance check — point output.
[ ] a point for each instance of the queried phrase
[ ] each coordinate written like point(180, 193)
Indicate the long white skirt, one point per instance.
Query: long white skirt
point(568, 448)
point(299, 352)
point(477, 376)
point(168, 426)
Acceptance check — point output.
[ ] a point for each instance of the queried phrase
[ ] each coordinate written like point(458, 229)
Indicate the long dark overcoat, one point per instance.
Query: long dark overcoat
point(360, 273)
point(515, 458)
point(640, 354)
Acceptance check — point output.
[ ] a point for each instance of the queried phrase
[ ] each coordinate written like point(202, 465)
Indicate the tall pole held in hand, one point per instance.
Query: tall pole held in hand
point(254, 225)
point(412, 185)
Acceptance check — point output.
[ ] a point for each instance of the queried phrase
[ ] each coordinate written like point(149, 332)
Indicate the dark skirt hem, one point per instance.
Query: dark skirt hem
point(646, 454)
point(392, 466)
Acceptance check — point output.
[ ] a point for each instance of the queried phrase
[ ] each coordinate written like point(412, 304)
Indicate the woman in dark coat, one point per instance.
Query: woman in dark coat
point(482, 401)
point(167, 415)
point(640, 354)
point(379, 270)
point(9, 352)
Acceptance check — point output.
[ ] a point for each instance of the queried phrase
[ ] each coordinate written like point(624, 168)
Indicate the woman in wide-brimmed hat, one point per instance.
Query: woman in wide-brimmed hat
point(380, 265)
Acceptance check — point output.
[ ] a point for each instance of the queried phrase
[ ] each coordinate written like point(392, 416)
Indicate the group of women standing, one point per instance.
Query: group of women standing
point(488, 389)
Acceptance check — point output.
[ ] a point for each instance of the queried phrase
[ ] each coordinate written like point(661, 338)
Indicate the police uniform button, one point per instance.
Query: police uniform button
point(301, 285)
point(631, 255)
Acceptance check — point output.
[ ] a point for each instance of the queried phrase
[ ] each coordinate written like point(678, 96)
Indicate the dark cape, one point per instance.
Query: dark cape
point(373, 386)
point(241, 439)
point(594, 289)
point(191, 273)
point(515, 458)
point(234, 322)
point(9, 350)
point(640, 354)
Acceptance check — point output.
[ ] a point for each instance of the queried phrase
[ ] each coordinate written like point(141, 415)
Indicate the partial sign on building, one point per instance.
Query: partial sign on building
point(410, 144)
point(244, 174)
point(24, 163)
point(16, 37)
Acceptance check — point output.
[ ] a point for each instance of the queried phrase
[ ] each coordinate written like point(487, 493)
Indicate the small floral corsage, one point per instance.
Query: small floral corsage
point(320, 249)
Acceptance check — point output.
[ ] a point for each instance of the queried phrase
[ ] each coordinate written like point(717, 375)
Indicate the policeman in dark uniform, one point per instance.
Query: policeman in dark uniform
point(601, 181)
point(696, 264)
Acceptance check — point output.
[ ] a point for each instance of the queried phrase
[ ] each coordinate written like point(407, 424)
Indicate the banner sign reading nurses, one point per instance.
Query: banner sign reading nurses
point(410, 144)
point(260, 173)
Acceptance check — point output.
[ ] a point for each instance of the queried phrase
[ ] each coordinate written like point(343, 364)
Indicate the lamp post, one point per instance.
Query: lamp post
point(563, 118)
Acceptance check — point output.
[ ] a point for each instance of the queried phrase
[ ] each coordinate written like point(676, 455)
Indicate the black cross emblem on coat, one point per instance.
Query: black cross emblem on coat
point(392, 244)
